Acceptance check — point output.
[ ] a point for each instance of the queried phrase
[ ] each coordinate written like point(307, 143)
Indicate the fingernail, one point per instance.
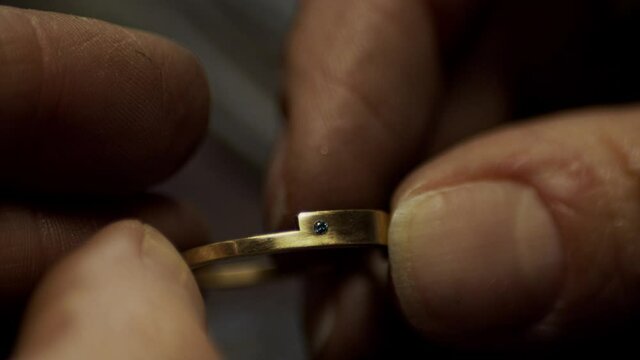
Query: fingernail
point(157, 248)
point(485, 256)
point(159, 254)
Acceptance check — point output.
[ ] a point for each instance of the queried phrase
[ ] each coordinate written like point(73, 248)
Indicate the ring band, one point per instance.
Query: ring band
point(317, 230)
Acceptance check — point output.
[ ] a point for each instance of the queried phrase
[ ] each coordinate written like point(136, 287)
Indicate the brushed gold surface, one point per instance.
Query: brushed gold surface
point(346, 229)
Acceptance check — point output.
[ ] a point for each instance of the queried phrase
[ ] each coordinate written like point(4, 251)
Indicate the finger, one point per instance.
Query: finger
point(126, 294)
point(33, 236)
point(527, 234)
point(354, 300)
point(349, 314)
point(86, 106)
point(361, 80)
point(36, 235)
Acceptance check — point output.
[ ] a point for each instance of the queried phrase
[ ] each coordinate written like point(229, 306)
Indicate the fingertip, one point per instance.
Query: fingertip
point(178, 221)
point(126, 293)
point(136, 103)
point(359, 99)
point(183, 104)
point(476, 260)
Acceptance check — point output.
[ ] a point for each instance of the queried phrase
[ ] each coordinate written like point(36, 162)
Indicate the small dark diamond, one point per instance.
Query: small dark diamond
point(320, 227)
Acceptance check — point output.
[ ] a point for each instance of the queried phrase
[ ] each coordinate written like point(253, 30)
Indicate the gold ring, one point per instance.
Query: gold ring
point(317, 230)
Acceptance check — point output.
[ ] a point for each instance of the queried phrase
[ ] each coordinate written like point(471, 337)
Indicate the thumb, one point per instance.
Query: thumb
point(478, 256)
point(124, 294)
point(529, 233)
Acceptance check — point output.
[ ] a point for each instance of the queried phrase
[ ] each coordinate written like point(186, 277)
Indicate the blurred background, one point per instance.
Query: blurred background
point(239, 43)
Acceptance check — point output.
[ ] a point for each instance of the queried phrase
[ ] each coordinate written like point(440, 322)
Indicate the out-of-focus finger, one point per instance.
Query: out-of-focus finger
point(361, 80)
point(87, 106)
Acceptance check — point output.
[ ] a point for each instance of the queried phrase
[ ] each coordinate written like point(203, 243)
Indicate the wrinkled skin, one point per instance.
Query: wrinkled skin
point(502, 136)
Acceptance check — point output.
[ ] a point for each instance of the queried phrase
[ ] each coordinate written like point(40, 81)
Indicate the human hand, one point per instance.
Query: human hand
point(126, 293)
point(522, 237)
point(91, 114)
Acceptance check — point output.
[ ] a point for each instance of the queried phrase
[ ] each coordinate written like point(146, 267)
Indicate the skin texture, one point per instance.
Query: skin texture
point(107, 292)
point(90, 115)
point(134, 103)
point(505, 155)
point(508, 236)
point(55, 73)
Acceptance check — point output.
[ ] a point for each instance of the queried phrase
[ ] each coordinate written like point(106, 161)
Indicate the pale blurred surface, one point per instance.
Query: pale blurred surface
point(239, 43)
